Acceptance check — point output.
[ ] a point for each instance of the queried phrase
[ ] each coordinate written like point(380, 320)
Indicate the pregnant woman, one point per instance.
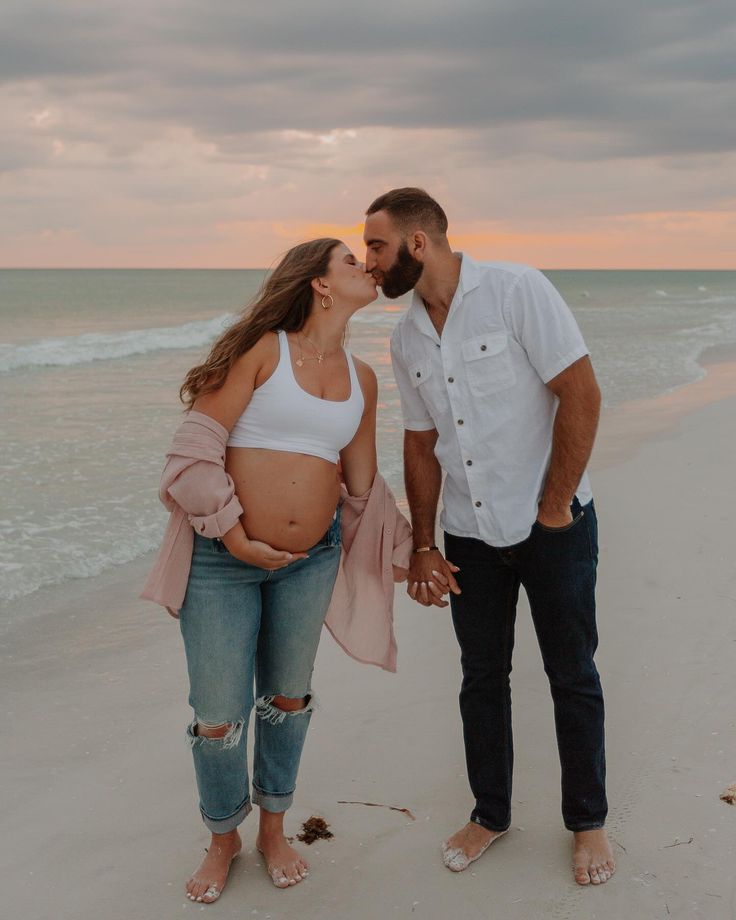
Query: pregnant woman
point(253, 484)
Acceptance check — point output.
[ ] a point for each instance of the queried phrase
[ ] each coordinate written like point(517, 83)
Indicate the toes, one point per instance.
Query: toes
point(278, 877)
point(582, 877)
point(454, 858)
point(594, 877)
point(448, 853)
point(211, 894)
point(192, 886)
point(195, 890)
point(295, 873)
point(458, 861)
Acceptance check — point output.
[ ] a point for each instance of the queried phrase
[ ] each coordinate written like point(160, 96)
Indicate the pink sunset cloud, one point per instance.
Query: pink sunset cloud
point(563, 136)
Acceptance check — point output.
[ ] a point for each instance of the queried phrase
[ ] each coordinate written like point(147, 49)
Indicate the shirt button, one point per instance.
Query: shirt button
point(460, 421)
point(450, 379)
point(477, 504)
point(483, 347)
point(468, 462)
point(419, 373)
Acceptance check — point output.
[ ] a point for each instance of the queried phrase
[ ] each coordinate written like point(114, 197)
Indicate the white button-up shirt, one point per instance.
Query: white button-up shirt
point(482, 386)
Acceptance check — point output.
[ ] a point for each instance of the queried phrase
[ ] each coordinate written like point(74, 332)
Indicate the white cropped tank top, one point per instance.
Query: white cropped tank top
point(283, 416)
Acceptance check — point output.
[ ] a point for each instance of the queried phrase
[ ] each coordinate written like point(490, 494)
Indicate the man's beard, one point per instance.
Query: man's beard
point(403, 274)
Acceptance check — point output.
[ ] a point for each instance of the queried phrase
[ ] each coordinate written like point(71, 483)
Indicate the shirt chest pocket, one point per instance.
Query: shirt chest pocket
point(488, 364)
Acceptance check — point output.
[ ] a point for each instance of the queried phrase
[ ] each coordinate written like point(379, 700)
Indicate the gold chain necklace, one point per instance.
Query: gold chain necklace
point(319, 357)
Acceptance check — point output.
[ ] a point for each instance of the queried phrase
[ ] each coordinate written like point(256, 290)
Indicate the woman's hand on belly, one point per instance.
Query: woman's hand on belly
point(258, 553)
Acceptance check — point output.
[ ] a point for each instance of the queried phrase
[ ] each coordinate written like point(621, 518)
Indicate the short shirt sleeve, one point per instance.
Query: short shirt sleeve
point(415, 414)
point(544, 325)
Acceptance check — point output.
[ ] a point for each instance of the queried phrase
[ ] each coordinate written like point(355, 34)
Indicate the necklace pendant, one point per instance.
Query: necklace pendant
point(299, 362)
point(319, 358)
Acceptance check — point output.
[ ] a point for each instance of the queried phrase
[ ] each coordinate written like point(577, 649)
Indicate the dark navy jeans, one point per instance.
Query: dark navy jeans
point(557, 569)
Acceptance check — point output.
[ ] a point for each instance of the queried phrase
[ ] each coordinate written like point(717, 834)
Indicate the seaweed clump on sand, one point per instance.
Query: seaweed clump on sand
point(314, 829)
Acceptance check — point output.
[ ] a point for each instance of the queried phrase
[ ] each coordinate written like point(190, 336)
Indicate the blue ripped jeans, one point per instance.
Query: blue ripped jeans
point(244, 626)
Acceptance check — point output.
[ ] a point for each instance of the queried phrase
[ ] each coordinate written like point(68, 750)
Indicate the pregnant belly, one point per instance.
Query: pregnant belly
point(288, 499)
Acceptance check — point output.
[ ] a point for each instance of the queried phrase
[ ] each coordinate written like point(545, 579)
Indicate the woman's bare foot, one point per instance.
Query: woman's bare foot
point(285, 866)
point(207, 882)
point(467, 845)
point(592, 857)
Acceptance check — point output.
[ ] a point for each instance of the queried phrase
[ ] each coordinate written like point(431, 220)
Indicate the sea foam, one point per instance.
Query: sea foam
point(100, 346)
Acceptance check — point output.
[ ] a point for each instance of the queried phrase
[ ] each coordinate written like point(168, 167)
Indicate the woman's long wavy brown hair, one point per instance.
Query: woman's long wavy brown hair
point(284, 302)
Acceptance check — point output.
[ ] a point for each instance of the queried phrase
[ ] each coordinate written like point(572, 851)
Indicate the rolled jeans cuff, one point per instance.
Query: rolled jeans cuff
point(588, 826)
point(272, 801)
point(481, 822)
point(225, 825)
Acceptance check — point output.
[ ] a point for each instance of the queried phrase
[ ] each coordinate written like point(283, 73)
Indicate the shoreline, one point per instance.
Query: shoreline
point(624, 429)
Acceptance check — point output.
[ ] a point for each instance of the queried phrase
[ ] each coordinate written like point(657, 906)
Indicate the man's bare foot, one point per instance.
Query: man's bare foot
point(467, 845)
point(592, 857)
point(285, 866)
point(207, 882)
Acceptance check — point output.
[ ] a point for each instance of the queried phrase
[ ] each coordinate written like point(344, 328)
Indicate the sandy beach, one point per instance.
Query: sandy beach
point(99, 812)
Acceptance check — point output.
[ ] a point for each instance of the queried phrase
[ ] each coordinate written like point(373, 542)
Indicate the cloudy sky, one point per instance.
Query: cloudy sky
point(564, 133)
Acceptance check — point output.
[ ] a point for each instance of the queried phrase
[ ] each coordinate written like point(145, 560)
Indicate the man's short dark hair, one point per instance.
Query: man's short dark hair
point(411, 209)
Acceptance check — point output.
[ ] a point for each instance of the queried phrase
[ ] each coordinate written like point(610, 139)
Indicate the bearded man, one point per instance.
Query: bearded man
point(498, 392)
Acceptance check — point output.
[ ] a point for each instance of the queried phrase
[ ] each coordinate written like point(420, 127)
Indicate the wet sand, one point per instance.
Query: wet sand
point(98, 803)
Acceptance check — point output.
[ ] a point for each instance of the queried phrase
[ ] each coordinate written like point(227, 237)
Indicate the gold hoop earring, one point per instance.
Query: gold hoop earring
point(326, 306)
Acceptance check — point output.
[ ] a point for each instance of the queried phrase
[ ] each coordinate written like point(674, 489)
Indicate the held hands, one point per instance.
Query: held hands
point(430, 578)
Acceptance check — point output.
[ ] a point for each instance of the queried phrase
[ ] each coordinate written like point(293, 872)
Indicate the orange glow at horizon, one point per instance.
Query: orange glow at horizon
point(656, 240)
point(665, 240)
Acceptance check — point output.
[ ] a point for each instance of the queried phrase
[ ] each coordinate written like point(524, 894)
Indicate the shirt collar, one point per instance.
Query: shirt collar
point(469, 274)
point(468, 281)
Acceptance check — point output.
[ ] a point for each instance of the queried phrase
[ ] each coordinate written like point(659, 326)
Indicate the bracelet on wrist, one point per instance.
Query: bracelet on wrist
point(426, 549)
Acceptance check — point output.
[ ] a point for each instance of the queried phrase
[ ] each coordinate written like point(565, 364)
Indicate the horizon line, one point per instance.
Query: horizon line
point(231, 268)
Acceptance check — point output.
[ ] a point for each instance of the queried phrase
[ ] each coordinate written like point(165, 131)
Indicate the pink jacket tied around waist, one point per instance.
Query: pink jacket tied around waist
point(376, 541)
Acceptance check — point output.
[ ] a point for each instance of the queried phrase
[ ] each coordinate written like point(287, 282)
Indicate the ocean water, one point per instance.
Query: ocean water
point(91, 362)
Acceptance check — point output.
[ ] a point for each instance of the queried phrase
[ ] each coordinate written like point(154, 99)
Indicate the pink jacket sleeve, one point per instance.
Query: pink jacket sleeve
point(376, 547)
point(194, 477)
point(200, 495)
